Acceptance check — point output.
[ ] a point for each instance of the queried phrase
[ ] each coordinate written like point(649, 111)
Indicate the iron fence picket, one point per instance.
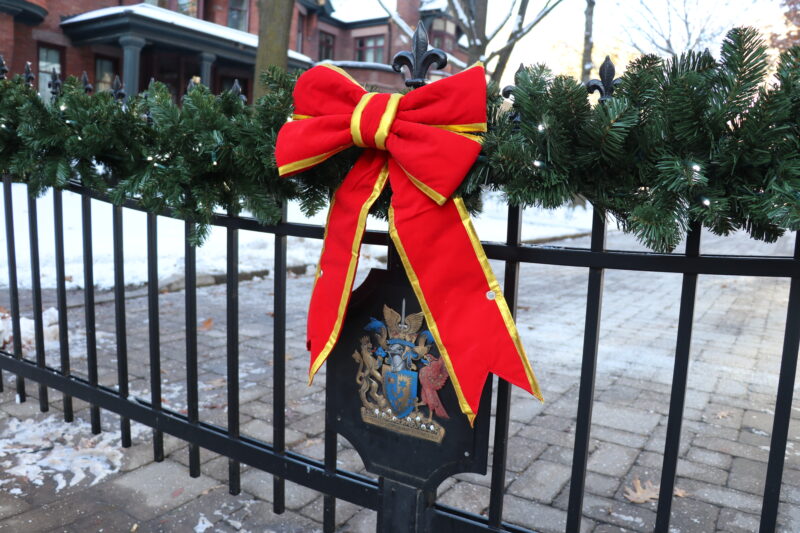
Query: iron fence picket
point(88, 304)
point(36, 293)
point(680, 376)
point(591, 337)
point(61, 298)
point(154, 333)
point(119, 318)
point(783, 403)
point(232, 360)
point(192, 398)
point(13, 288)
point(279, 362)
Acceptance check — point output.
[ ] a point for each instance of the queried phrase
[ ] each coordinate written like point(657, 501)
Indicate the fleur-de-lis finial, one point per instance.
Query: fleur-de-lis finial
point(420, 59)
point(508, 90)
point(3, 68)
point(605, 85)
point(55, 85)
point(236, 89)
point(118, 89)
point(87, 87)
point(28, 75)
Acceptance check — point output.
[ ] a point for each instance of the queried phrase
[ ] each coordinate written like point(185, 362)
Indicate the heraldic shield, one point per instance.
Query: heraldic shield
point(391, 394)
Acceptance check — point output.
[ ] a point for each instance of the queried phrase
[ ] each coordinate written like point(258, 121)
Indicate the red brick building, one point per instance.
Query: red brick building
point(215, 40)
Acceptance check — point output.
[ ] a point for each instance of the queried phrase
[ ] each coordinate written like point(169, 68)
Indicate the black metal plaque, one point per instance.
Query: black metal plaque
point(390, 393)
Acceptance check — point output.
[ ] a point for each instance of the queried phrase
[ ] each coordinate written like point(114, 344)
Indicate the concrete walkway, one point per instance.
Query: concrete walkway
point(59, 477)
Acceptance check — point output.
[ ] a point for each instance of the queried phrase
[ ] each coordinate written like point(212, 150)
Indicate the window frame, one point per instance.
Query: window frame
point(245, 10)
point(114, 71)
point(301, 32)
point(61, 66)
point(361, 51)
point(326, 46)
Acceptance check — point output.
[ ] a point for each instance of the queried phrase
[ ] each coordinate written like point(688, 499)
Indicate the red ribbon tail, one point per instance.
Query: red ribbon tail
point(336, 270)
point(459, 293)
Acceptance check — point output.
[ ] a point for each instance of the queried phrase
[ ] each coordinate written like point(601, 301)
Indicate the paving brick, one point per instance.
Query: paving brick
point(723, 497)
point(624, 418)
point(612, 459)
point(542, 481)
point(537, 516)
point(731, 448)
point(747, 475)
point(623, 438)
point(467, 496)
point(716, 459)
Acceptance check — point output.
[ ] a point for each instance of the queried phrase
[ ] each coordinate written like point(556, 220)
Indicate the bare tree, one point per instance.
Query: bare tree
point(470, 16)
point(588, 43)
point(791, 37)
point(274, 22)
point(671, 27)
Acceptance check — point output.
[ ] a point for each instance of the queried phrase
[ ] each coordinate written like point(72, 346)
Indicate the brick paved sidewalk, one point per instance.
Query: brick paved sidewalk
point(74, 481)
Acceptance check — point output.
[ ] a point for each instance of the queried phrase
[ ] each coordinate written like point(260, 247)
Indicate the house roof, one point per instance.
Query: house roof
point(349, 11)
point(101, 24)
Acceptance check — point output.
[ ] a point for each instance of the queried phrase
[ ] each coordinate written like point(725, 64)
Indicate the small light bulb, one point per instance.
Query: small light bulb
point(706, 202)
point(540, 127)
point(62, 107)
point(149, 157)
point(80, 138)
point(537, 163)
point(214, 163)
point(696, 167)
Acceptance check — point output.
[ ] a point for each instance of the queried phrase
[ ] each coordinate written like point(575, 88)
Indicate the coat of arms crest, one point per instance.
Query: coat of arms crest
point(394, 363)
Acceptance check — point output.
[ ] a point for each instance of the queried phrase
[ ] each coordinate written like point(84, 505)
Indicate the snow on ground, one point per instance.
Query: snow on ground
point(256, 250)
point(34, 451)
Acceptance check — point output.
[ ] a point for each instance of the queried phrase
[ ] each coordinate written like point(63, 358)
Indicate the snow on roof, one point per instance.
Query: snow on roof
point(178, 19)
point(358, 10)
point(430, 5)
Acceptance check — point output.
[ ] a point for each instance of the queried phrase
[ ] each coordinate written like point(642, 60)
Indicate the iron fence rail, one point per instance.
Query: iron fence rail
point(324, 476)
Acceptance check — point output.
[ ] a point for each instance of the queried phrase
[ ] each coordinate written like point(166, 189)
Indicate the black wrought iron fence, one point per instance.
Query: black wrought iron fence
point(324, 476)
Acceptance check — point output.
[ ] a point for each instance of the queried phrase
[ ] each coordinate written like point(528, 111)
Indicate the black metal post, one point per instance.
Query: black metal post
point(119, 315)
point(13, 288)
point(61, 297)
point(36, 285)
point(232, 299)
point(192, 398)
point(279, 363)
point(88, 303)
point(680, 374)
point(153, 330)
point(783, 403)
point(591, 336)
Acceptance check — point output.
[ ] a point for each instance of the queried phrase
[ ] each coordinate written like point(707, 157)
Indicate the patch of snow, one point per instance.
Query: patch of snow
point(39, 450)
point(178, 19)
point(430, 5)
point(359, 10)
point(203, 524)
point(28, 332)
point(635, 519)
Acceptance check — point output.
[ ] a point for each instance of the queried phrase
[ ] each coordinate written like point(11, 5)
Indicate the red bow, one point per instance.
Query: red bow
point(424, 143)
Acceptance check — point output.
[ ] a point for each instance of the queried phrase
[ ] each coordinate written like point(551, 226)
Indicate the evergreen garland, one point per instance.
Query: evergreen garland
point(690, 139)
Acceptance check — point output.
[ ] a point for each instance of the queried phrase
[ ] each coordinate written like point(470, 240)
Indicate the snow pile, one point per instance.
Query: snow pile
point(39, 450)
point(358, 10)
point(50, 323)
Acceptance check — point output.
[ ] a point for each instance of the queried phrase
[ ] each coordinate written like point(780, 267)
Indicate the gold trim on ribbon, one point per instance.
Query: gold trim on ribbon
point(429, 192)
point(389, 113)
point(340, 71)
point(303, 164)
point(355, 120)
point(499, 299)
point(351, 271)
point(462, 128)
point(295, 116)
point(434, 329)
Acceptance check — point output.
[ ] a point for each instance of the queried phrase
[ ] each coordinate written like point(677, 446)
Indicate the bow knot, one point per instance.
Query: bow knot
point(372, 119)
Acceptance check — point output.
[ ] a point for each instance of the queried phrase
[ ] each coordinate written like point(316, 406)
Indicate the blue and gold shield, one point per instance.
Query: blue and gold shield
point(401, 391)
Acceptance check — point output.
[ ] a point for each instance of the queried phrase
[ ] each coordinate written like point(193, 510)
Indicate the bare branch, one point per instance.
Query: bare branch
point(499, 27)
point(548, 7)
point(466, 23)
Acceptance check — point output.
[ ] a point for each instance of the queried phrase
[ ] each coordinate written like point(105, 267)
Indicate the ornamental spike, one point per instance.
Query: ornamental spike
point(87, 87)
point(55, 85)
point(236, 89)
point(28, 75)
point(118, 89)
point(3, 68)
point(605, 85)
point(420, 59)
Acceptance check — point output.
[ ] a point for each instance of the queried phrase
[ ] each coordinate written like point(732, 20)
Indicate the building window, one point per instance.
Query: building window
point(301, 31)
point(237, 14)
point(104, 71)
point(370, 49)
point(49, 61)
point(326, 44)
point(188, 7)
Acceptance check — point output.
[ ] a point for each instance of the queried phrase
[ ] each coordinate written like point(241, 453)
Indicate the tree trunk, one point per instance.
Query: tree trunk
point(586, 64)
point(274, 25)
point(502, 59)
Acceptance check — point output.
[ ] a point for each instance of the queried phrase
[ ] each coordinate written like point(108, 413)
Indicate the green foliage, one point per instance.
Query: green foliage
point(691, 139)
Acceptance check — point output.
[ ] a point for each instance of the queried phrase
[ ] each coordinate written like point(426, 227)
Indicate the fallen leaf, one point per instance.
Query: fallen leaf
point(270, 314)
point(134, 528)
point(207, 324)
point(217, 383)
point(680, 493)
point(177, 492)
point(642, 493)
point(67, 278)
point(723, 414)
